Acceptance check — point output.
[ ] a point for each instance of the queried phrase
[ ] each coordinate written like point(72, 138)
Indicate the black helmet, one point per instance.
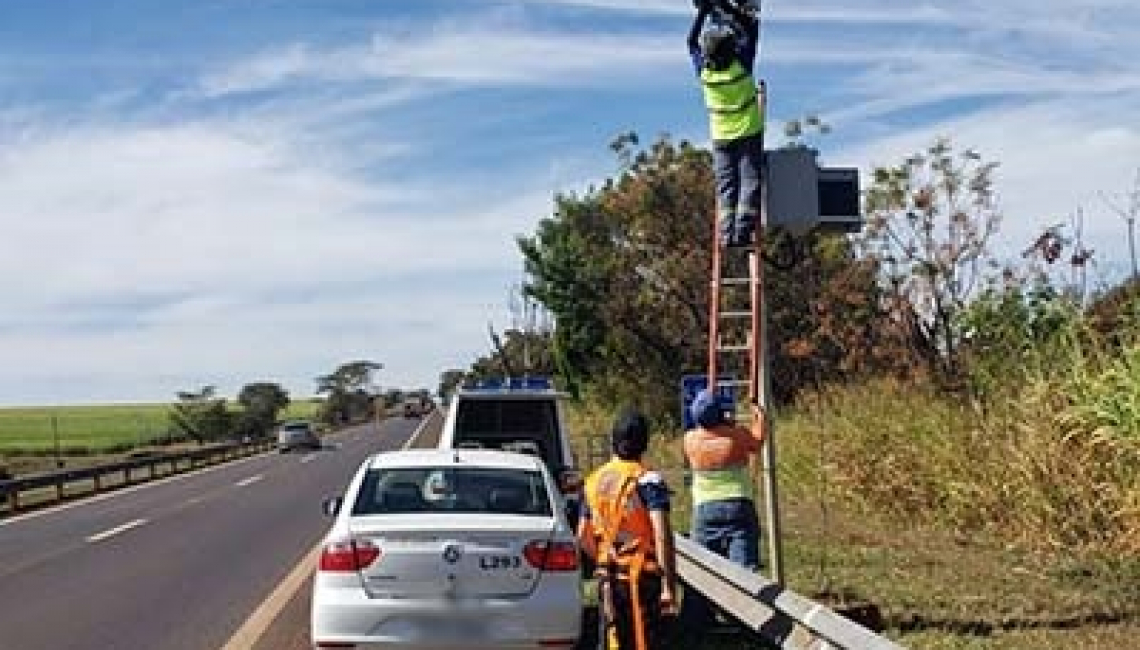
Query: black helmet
point(717, 45)
point(630, 435)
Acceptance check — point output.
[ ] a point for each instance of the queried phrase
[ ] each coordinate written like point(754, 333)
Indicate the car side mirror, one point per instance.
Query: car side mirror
point(331, 505)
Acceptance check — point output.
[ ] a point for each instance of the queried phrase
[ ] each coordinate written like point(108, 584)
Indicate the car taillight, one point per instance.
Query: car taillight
point(552, 556)
point(348, 555)
point(570, 481)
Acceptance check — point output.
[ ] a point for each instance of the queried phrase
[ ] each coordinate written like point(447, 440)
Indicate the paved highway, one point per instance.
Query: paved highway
point(204, 561)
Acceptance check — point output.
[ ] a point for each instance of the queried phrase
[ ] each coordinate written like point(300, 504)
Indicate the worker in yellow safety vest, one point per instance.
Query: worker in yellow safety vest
point(625, 529)
point(724, 56)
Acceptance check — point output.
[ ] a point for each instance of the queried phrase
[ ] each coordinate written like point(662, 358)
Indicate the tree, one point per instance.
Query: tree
point(929, 225)
point(261, 402)
point(201, 415)
point(449, 380)
point(625, 268)
point(349, 389)
point(351, 376)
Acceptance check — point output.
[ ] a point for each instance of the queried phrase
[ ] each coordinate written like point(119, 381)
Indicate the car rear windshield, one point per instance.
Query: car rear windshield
point(295, 426)
point(514, 425)
point(452, 490)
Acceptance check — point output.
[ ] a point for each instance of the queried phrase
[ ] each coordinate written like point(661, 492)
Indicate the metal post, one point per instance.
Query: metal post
point(1132, 245)
point(55, 437)
point(761, 380)
point(768, 459)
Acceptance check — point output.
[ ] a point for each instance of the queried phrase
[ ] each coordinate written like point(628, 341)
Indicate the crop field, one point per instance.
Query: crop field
point(89, 428)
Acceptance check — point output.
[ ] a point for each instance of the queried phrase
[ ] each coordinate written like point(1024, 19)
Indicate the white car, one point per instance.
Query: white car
point(448, 550)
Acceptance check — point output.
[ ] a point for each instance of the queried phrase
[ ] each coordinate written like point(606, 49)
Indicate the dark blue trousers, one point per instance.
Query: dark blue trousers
point(738, 165)
point(730, 528)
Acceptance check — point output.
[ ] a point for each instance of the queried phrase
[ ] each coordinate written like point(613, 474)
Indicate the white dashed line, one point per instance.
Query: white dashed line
point(98, 537)
point(307, 457)
point(248, 481)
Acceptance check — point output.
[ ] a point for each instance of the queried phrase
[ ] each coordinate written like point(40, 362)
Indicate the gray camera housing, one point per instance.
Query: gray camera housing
point(800, 196)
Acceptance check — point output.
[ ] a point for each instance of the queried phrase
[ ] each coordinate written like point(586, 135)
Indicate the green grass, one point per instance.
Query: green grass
point(98, 427)
point(91, 427)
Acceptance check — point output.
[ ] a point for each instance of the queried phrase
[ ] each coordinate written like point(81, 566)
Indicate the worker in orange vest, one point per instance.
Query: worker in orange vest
point(625, 529)
point(719, 454)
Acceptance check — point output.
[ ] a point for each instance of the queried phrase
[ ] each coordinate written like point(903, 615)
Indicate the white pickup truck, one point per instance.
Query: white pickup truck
point(522, 415)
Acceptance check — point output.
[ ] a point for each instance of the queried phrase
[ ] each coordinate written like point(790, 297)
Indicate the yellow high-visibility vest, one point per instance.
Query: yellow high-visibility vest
point(730, 96)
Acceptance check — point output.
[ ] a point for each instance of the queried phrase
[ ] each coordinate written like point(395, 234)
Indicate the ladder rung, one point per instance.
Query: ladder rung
point(735, 314)
point(734, 382)
point(734, 281)
point(733, 348)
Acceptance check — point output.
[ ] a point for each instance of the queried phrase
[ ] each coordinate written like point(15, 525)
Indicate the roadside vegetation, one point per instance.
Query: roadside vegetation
point(34, 439)
point(99, 428)
point(958, 431)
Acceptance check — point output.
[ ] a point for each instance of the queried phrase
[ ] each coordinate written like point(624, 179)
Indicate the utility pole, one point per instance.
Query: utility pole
point(1129, 215)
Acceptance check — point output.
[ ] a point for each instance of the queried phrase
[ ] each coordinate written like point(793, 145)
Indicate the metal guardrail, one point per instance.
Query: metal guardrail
point(778, 615)
point(96, 476)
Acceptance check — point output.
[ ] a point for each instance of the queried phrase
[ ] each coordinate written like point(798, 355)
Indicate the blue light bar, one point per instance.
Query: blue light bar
point(516, 383)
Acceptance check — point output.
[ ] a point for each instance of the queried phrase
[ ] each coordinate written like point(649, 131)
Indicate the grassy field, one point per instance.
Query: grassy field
point(96, 427)
point(941, 578)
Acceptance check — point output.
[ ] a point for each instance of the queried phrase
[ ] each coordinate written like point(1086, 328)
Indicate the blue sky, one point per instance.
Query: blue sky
point(214, 192)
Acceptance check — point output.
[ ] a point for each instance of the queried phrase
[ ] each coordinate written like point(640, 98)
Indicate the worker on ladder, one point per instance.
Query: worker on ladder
point(724, 56)
point(625, 529)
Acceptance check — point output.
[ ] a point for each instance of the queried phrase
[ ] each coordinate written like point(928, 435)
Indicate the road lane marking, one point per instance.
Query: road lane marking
point(259, 621)
point(98, 537)
point(306, 458)
point(418, 431)
point(248, 481)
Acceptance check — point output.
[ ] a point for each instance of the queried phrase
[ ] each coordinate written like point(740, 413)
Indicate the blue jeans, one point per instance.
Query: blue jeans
point(731, 529)
point(738, 165)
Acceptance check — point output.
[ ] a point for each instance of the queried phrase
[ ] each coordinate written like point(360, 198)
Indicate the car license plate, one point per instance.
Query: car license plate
point(499, 562)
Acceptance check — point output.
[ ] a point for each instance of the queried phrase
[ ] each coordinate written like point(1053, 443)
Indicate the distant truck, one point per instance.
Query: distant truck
point(523, 415)
point(415, 407)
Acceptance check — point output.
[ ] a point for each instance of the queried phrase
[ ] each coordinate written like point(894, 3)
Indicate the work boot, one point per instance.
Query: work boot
point(741, 237)
point(728, 232)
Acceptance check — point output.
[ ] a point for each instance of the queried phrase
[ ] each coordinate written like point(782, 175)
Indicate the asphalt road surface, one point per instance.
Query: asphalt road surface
point(218, 559)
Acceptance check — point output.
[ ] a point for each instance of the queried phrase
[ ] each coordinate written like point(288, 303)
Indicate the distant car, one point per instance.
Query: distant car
point(448, 550)
point(299, 434)
point(413, 408)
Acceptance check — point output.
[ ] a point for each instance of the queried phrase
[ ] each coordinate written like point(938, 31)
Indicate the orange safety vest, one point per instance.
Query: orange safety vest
point(623, 529)
point(621, 520)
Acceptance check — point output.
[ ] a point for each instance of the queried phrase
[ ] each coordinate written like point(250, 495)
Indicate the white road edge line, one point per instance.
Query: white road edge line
point(98, 537)
point(418, 431)
point(259, 621)
point(248, 481)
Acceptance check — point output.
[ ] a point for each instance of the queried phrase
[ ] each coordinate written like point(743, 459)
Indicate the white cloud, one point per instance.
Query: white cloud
point(483, 52)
